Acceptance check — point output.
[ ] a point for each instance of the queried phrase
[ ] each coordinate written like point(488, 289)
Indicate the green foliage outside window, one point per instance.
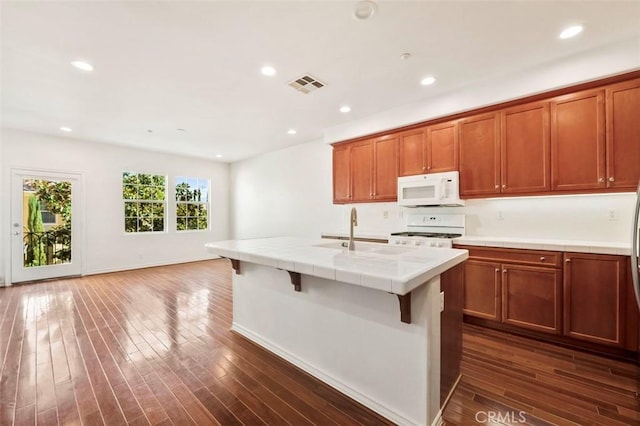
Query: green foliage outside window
point(192, 202)
point(144, 202)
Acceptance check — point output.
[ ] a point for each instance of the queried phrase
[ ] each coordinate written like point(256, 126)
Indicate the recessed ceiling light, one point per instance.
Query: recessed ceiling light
point(292, 131)
point(218, 155)
point(66, 129)
point(365, 9)
point(181, 130)
point(82, 65)
point(345, 109)
point(405, 56)
point(571, 31)
point(267, 70)
point(427, 81)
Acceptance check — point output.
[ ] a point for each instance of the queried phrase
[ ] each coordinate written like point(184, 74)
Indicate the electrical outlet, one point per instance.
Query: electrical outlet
point(442, 301)
point(385, 214)
point(500, 216)
point(612, 214)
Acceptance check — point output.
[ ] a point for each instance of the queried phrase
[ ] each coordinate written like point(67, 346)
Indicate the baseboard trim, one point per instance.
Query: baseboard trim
point(324, 377)
point(147, 265)
point(446, 401)
point(438, 420)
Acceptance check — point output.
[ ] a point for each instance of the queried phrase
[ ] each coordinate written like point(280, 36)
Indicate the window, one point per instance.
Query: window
point(192, 204)
point(48, 218)
point(144, 202)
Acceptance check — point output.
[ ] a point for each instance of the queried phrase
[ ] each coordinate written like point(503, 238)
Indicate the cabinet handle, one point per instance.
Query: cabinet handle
point(504, 271)
point(497, 269)
point(504, 186)
point(601, 180)
point(541, 258)
point(612, 179)
point(567, 260)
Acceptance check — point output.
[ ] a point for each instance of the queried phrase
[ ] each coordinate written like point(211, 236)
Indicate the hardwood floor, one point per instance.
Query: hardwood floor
point(150, 346)
point(153, 346)
point(522, 381)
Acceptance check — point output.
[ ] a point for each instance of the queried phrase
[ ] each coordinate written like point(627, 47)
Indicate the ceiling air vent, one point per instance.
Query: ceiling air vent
point(306, 84)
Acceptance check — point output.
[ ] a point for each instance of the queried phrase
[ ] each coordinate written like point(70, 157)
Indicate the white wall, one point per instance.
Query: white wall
point(106, 246)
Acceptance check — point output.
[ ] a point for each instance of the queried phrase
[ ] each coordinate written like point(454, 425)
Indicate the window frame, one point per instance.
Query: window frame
point(207, 203)
point(165, 208)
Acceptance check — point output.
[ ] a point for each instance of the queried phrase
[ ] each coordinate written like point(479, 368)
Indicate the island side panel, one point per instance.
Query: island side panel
point(451, 283)
point(348, 336)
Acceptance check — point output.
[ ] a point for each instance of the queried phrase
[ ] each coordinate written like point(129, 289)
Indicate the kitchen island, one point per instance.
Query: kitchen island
point(366, 322)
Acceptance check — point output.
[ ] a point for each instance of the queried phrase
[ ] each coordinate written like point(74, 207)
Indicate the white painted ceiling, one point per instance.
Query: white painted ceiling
point(162, 66)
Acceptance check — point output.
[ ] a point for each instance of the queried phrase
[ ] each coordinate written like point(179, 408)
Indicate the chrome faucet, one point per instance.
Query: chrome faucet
point(353, 221)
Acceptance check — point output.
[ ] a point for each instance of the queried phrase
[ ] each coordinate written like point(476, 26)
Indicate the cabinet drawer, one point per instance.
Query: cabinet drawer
point(524, 257)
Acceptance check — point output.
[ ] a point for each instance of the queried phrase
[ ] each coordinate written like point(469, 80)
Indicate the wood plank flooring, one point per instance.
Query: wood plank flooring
point(153, 346)
point(517, 380)
point(150, 346)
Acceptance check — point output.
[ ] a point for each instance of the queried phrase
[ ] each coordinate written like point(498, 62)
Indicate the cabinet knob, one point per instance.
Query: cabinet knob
point(497, 186)
point(424, 169)
point(504, 271)
point(541, 258)
point(504, 186)
point(428, 167)
point(567, 260)
point(612, 179)
point(497, 269)
point(601, 180)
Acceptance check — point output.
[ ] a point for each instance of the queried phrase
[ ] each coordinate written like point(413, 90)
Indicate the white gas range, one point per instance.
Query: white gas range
point(430, 230)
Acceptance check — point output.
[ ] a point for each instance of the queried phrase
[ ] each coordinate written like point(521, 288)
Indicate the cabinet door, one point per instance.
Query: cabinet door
point(482, 289)
point(412, 153)
point(442, 147)
point(480, 155)
point(577, 141)
point(623, 134)
point(593, 291)
point(531, 297)
point(362, 171)
point(341, 174)
point(385, 169)
point(525, 148)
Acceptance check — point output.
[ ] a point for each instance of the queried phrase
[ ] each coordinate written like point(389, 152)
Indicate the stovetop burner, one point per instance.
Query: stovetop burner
point(425, 235)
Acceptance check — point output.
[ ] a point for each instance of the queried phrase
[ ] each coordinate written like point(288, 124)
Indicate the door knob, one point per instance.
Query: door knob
point(16, 232)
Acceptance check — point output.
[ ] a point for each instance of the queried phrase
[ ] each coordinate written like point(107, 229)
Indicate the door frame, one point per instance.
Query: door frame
point(79, 213)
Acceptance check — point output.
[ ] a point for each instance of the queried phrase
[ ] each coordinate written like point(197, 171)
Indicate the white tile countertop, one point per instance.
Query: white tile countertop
point(379, 266)
point(360, 235)
point(596, 247)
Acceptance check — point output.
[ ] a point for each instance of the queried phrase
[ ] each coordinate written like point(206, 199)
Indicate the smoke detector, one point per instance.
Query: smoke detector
point(306, 84)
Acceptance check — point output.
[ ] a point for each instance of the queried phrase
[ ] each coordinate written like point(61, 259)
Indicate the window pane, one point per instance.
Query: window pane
point(145, 179)
point(158, 224)
point(181, 209)
point(158, 180)
point(202, 223)
point(144, 225)
point(203, 209)
point(129, 178)
point(181, 224)
point(192, 223)
point(130, 192)
point(130, 209)
point(158, 209)
point(131, 225)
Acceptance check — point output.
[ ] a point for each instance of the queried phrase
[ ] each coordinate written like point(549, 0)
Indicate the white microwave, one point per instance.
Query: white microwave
point(434, 189)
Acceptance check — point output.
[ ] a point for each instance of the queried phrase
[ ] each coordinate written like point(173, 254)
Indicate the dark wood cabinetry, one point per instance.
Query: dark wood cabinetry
point(365, 171)
point(482, 289)
point(519, 287)
point(584, 139)
point(430, 149)
point(623, 134)
point(578, 298)
point(577, 141)
point(594, 302)
point(480, 155)
point(525, 149)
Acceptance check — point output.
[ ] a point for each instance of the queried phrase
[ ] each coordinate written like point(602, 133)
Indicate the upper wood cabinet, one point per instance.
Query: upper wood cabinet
point(430, 149)
point(341, 174)
point(365, 171)
point(480, 155)
point(525, 149)
point(412, 150)
point(385, 168)
point(577, 141)
point(623, 134)
point(442, 147)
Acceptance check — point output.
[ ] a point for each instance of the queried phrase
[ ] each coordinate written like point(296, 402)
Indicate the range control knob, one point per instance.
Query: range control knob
point(396, 241)
point(403, 242)
point(417, 243)
point(439, 245)
point(432, 243)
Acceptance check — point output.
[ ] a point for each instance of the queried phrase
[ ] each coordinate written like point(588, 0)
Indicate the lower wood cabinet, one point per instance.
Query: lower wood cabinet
point(594, 298)
point(577, 297)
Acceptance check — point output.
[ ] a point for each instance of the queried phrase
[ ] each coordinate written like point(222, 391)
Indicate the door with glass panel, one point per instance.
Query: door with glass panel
point(45, 231)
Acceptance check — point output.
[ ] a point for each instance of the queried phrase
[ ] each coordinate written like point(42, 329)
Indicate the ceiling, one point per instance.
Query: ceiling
point(164, 66)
